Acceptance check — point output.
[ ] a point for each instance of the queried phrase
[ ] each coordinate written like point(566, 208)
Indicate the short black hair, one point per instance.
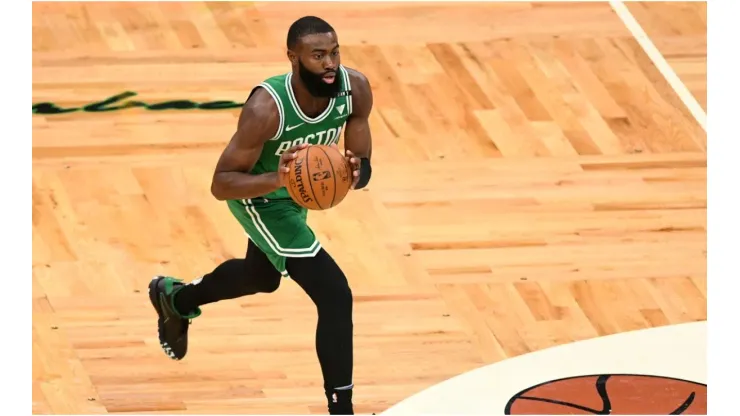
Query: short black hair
point(307, 25)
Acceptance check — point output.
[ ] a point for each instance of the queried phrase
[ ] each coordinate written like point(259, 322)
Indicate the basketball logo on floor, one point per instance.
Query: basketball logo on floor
point(611, 394)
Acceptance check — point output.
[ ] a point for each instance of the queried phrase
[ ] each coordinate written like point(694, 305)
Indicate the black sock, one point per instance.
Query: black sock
point(340, 402)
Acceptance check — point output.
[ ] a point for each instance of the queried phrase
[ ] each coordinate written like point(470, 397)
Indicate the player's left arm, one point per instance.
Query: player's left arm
point(358, 145)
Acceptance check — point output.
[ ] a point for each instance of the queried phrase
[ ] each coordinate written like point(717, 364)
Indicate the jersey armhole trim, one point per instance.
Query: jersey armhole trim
point(279, 104)
point(348, 86)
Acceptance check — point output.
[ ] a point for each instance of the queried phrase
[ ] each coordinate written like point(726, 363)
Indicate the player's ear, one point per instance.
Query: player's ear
point(292, 57)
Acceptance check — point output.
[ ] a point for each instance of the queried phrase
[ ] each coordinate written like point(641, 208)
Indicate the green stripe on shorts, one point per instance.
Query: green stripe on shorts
point(277, 227)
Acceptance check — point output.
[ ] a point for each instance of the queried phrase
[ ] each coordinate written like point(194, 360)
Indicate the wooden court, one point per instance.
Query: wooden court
point(537, 181)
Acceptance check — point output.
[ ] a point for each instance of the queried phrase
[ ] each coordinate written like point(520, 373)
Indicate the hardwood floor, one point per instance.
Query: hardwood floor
point(679, 31)
point(536, 183)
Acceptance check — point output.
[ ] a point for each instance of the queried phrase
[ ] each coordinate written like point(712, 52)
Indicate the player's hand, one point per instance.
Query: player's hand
point(354, 163)
point(289, 155)
point(285, 158)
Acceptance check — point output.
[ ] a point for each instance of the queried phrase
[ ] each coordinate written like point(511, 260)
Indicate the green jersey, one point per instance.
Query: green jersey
point(295, 127)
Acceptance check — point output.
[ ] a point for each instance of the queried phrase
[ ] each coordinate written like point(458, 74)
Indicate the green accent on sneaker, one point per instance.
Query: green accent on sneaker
point(170, 291)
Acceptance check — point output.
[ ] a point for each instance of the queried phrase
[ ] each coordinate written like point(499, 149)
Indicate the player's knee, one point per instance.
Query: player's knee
point(269, 285)
point(338, 295)
point(344, 293)
point(324, 282)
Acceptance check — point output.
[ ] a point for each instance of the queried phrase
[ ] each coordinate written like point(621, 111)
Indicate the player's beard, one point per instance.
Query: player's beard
point(315, 83)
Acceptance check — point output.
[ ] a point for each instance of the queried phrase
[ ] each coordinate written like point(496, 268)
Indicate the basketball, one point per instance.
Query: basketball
point(319, 177)
point(616, 394)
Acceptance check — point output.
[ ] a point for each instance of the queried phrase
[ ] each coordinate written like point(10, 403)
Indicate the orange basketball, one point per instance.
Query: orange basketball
point(319, 177)
point(611, 394)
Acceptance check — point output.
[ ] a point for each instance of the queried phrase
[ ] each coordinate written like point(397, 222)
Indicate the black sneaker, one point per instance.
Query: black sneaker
point(171, 325)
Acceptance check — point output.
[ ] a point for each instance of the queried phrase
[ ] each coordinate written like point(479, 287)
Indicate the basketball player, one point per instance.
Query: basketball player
point(310, 105)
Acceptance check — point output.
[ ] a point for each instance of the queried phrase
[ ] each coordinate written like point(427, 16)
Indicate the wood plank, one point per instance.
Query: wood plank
point(534, 185)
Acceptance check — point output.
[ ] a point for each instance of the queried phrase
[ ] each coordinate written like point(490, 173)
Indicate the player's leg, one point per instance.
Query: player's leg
point(282, 227)
point(325, 283)
point(231, 279)
point(176, 303)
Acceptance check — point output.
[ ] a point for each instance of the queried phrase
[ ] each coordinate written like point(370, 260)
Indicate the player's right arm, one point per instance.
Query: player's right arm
point(258, 122)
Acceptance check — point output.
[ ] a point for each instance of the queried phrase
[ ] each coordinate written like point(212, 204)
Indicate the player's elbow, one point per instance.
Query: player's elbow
point(217, 188)
point(216, 192)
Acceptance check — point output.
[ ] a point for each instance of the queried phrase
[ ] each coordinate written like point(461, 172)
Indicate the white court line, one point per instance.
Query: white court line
point(654, 54)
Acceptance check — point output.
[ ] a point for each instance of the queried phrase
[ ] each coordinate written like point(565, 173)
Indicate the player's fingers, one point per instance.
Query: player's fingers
point(286, 157)
point(351, 158)
point(291, 151)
